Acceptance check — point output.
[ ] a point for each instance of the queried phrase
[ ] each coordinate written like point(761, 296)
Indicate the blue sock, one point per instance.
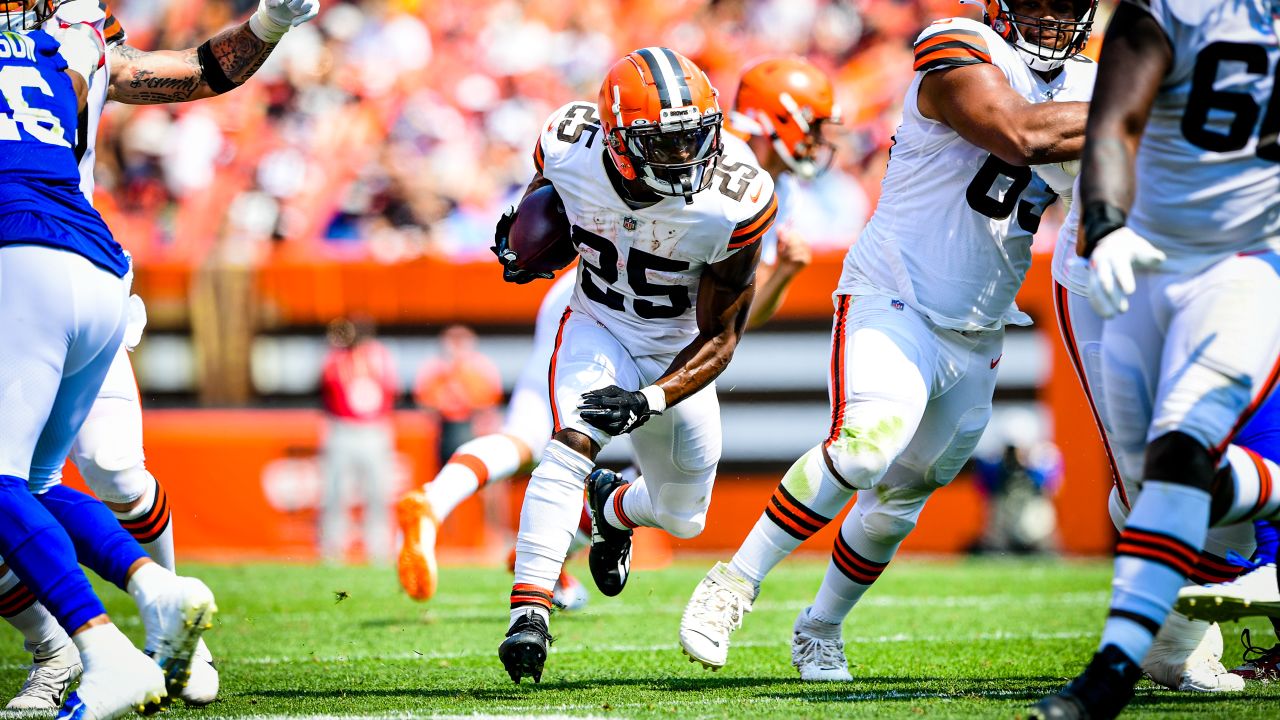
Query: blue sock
point(101, 544)
point(40, 553)
point(1268, 542)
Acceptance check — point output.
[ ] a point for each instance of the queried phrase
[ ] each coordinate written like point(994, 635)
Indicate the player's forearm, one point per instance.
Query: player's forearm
point(1046, 132)
point(706, 357)
point(226, 61)
point(771, 289)
point(1134, 62)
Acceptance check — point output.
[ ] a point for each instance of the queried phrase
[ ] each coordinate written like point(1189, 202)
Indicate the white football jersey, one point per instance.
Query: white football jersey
point(98, 14)
point(952, 233)
point(640, 268)
point(1208, 167)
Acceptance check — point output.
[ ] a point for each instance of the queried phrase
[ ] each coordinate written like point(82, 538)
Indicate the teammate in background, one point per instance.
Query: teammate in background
point(1174, 270)
point(920, 313)
point(108, 452)
point(782, 106)
point(667, 216)
point(64, 287)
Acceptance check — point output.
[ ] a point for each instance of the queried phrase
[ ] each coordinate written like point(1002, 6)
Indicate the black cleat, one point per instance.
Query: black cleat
point(525, 650)
point(610, 557)
point(1098, 693)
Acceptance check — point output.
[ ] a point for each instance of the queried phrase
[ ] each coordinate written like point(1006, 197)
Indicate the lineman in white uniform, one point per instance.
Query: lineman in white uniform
point(1184, 267)
point(108, 451)
point(667, 216)
point(920, 313)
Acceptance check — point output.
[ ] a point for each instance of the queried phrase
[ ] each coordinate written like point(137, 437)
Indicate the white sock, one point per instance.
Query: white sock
point(856, 562)
point(41, 634)
point(804, 502)
point(1157, 550)
point(548, 521)
point(476, 463)
point(151, 524)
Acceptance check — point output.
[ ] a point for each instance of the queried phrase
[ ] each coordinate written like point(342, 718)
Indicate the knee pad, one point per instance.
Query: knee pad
point(681, 510)
point(117, 486)
point(1179, 459)
point(862, 455)
point(884, 528)
point(1116, 509)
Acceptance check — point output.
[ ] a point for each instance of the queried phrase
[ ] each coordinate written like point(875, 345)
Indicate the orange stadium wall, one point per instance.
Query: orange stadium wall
point(245, 483)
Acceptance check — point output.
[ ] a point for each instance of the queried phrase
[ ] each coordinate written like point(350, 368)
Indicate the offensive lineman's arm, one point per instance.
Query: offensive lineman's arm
point(1134, 61)
point(724, 301)
point(223, 63)
point(979, 104)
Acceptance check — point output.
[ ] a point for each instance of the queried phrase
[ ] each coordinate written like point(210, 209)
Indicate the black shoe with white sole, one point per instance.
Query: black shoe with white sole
point(610, 557)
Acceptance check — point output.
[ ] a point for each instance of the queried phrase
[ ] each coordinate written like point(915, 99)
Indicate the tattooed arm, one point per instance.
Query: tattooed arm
point(166, 76)
point(225, 61)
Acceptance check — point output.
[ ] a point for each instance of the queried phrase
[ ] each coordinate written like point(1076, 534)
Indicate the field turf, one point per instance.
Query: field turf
point(934, 638)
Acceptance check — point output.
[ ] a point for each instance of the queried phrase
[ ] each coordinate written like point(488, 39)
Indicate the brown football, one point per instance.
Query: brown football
point(541, 235)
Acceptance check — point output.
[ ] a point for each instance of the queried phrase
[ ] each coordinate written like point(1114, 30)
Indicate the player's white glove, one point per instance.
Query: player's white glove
point(1059, 176)
point(274, 17)
point(82, 46)
point(1111, 267)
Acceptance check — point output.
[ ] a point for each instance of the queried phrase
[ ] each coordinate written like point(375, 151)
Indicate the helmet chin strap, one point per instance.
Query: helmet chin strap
point(686, 189)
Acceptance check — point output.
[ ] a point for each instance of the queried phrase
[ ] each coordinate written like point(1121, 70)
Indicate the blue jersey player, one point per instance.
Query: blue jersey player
point(64, 283)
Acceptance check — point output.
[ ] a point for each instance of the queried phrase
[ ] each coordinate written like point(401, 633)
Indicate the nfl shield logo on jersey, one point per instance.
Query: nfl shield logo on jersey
point(629, 223)
point(897, 304)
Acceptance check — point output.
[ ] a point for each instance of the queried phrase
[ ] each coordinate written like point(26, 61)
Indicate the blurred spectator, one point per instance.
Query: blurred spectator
point(1019, 485)
point(392, 129)
point(358, 388)
point(462, 386)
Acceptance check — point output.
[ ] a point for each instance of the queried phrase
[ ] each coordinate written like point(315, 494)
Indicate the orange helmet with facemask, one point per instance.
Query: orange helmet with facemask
point(26, 15)
point(789, 99)
point(1036, 53)
point(661, 121)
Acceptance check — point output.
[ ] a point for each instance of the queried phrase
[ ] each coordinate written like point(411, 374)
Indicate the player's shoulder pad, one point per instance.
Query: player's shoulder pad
point(954, 42)
point(753, 210)
point(573, 127)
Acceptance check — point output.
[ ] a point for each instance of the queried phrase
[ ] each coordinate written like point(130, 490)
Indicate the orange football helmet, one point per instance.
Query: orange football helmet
point(1038, 55)
point(662, 121)
point(788, 99)
point(26, 15)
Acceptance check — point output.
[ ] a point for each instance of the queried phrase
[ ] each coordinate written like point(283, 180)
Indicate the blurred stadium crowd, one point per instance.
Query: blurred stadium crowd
point(390, 129)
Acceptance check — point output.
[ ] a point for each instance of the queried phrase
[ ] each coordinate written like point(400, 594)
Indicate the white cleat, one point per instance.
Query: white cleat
point(202, 688)
point(118, 680)
point(1187, 656)
point(817, 650)
point(175, 620)
point(716, 609)
point(48, 680)
point(1254, 593)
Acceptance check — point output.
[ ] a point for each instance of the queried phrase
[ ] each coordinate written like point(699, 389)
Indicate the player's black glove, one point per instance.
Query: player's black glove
point(614, 410)
point(511, 272)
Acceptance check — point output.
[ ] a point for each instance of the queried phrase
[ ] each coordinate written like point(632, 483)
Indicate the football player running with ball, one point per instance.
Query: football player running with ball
point(108, 450)
point(920, 313)
point(782, 106)
point(667, 214)
point(1181, 218)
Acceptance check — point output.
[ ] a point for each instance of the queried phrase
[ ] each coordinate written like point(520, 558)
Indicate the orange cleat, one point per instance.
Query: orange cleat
point(417, 564)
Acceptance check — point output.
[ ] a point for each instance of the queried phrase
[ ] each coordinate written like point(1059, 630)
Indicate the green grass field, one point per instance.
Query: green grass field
point(963, 638)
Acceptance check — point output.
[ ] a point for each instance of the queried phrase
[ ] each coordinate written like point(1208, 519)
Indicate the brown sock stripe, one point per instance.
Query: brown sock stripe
point(475, 465)
point(1158, 548)
point(1211, 569)
point(854, 566)
point(526, 595)
point(617, 507)
point(153, 523)
point(15, 600)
